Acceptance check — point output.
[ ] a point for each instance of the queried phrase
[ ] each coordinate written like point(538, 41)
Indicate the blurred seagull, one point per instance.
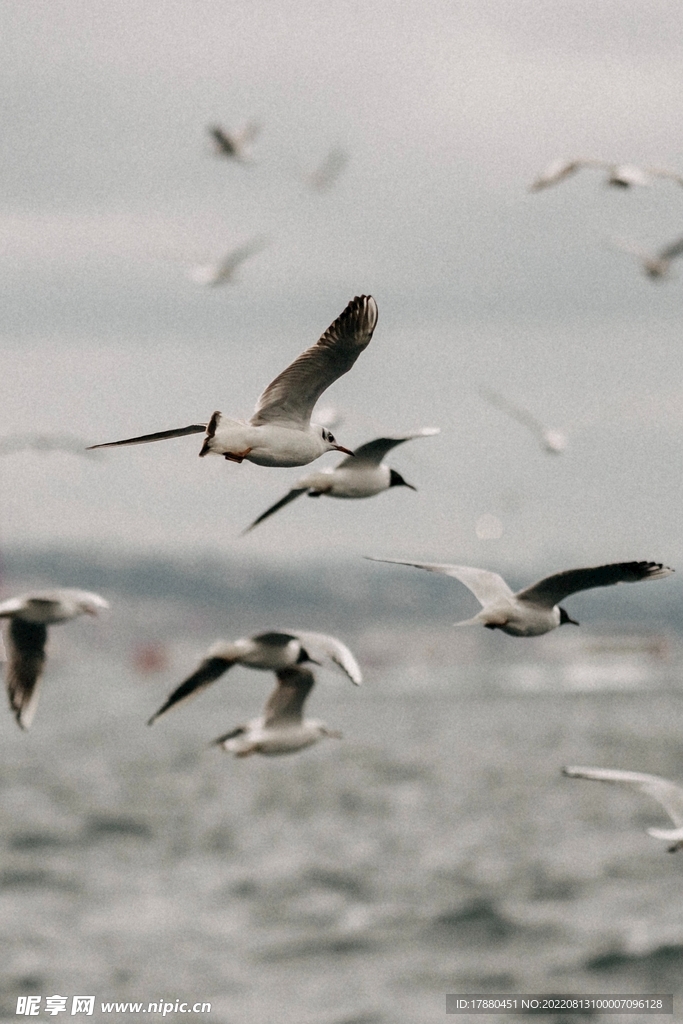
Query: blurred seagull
point(234, 145)
point(224, 270)
point(280, 432)
point(26, 636)
point(272, 652)
point(535, 610)
point(552, 441)
point(655, 265)
point(327, 172)
point(666, 793)
point(618, 175)
point(12, 443)
point(359, 476)
point(281, 729)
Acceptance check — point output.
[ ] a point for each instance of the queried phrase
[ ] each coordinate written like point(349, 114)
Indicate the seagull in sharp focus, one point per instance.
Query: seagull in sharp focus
point(655, 265)
point(666, 793)
point(536, 609)
point(359, 476)
point(551, 440)
point(234, 145)
point(618, 175)
point(272, 652)
point(280, 432)
point(26, 635)
point(224, 270)
point(281, 729)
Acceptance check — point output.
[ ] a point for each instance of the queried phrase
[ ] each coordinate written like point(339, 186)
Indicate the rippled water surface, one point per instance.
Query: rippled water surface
point(435, 849)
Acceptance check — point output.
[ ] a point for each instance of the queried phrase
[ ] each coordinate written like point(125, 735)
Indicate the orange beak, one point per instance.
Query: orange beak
point(338, 448)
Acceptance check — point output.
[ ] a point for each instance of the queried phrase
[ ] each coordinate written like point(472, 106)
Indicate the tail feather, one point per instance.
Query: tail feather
point(160, 435)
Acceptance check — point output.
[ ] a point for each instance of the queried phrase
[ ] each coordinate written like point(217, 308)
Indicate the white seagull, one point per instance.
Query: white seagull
point(224, 270)
point(281, 729)
point(26, 636)
point(551, 440)
point(272, 652)
point(655, 265)
point(536, 609)
point(618, 175)
point(280, 432)
point(359, 476)
point(234, 145)
point(666, 793)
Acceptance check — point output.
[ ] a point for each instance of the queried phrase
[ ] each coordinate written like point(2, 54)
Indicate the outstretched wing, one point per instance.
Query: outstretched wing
point(290, 398)
point(161, 435)
point(321, 647)
point(487, 587)
point(25, 644)
point(210, 669)
point(666, 793)
point(549, 591)
point(294, 493)
point(372, 452)
point(286, 702)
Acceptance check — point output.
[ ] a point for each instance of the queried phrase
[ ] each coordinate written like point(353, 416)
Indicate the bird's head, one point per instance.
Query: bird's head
point(564, 617)
point(330, 440)
point(396, 480)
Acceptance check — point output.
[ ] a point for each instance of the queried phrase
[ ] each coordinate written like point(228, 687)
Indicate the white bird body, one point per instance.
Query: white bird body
point(536, 609)
point(281, 729)
point(280, 432)
point(257, 738)
point(267, 444)
point(668, 794)
point(360, 476)
point(26, 637)
point(272, 652)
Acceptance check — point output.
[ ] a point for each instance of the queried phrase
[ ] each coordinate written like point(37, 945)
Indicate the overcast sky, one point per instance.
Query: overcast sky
point(448, 110)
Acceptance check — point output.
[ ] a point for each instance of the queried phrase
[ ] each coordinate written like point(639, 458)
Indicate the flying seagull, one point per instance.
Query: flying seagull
point(273, 652)
point(618, 175)
point(359, 476)
point(234, 145)
point(224, 270)
point(535, 610)
point(26, 636)
point(655, 265)
point(281, 729)
point(551, 440)
point(666, 793)
point(280, 432)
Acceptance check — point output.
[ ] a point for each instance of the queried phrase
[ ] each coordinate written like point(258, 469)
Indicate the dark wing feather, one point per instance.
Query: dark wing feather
point(286, 702)
point(293, 394)
point(555, 588)
point(224, 143)
point(161, 435)
point(210, 669)
point(239, 731)
point(294, 493)
point(26, 650)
